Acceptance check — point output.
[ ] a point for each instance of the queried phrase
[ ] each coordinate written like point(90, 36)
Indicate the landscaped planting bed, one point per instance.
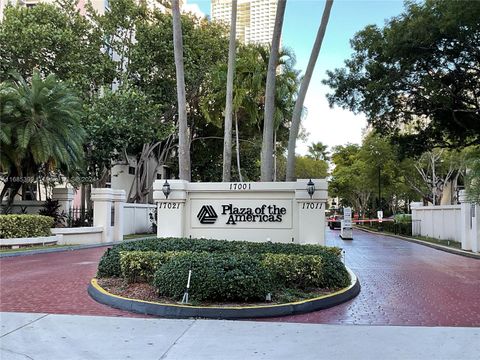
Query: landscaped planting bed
point(24, 226)
point(223, 272)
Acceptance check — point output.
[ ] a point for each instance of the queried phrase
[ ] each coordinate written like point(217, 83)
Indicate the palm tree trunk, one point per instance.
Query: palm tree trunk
point(275, 156)
point(238, 148)
point(297, 112)
point(266, 170)
point(227, 140)
point(183, 138)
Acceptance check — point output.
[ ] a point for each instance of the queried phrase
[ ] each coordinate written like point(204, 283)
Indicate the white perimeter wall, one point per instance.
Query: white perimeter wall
point(136, 219)
point(439, 222)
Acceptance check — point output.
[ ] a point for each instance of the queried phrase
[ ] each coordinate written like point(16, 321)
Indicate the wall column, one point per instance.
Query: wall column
point(118, 197)
point(64, 196)
point(102, 211)
point(171, 212)
point(311, 212)
point(416, 221)
point(475, 234)
point(465, 221)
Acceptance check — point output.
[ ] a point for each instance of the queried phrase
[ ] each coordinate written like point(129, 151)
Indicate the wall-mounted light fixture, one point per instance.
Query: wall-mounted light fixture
point(166, 189)
point(310, 188)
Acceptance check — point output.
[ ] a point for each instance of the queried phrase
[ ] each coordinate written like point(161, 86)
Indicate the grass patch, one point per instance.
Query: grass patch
point(137, 236)
point(448, 243)
point(31, 248)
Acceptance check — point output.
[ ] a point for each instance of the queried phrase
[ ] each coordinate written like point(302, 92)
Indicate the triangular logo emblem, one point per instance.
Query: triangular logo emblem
point(207, 215)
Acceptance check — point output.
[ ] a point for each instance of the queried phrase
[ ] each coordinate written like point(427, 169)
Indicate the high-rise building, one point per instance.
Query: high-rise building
point(255, 18)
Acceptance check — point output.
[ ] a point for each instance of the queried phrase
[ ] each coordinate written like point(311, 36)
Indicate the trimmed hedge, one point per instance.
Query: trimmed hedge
point(215, 277)
point(24, 226)
point(295, 271)
point(402, 227)
point(137, 266)
point(110, 262)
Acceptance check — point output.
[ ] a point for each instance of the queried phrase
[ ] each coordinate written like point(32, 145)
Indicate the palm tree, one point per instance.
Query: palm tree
point(318, 151)
point(183, 136)
point(297, 112)
point(268, 124)
point(248, 94)
point(40, 129)
point(227, 142)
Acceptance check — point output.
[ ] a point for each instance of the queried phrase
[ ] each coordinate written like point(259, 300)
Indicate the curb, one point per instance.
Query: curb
point(426, 243)
point(185, 311)
point(66, 248)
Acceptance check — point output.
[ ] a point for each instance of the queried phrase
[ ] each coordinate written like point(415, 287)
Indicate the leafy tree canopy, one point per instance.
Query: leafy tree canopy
point(54, 39)
point(417, 78)
point(119, 123)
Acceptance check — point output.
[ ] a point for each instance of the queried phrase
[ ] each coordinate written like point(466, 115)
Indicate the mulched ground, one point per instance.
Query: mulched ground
point(139, 291)
point(146, 292)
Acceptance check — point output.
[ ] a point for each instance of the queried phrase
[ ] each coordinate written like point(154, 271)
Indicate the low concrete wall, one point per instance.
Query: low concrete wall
point(79, 236)
point(39, 240)
point(136, 218)
point(449, 222)
point(439, 222)
point(27, 206)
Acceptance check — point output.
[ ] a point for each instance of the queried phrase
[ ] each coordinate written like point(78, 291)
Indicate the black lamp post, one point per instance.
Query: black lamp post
point(310, 188)
point(166, 189)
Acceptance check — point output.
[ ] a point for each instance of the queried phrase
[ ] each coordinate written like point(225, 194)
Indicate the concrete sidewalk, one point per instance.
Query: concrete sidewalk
point(42, 336)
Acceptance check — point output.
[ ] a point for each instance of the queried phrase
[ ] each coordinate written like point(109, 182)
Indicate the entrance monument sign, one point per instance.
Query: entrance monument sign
point(252, 211)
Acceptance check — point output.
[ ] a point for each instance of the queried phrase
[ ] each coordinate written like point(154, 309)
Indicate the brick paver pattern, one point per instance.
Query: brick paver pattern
point(402, 284)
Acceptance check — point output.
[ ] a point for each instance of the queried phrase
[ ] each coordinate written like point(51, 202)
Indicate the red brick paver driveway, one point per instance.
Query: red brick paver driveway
point(402, 284)
point(54, 283)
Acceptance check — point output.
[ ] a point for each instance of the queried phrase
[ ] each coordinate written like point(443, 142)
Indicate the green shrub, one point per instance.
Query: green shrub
point(402, 227)
point(137, 266)
point(110, 262)
point(335, 275)
point(295, 271)
point(24, 226)
point(403, 218)
point(215, 277)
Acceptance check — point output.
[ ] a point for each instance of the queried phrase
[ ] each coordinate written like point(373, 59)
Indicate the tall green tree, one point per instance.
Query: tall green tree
point(55, 39)
point(227, 141)
point(249, 101)
point(122, 124)
point(297, 112)
point(184, 166)
point(318, 151)
point(40, 129)
point(436, 169)
point(151, 70)
point(472, 183)
point(416, 79)
point(371, 177)
point(267, 168)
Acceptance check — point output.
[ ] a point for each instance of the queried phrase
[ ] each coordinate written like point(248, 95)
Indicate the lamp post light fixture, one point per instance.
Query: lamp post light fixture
point(310, 188)
point(166, 189)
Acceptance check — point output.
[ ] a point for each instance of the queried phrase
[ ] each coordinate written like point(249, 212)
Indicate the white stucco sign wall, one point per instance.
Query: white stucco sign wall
point(267, 211)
